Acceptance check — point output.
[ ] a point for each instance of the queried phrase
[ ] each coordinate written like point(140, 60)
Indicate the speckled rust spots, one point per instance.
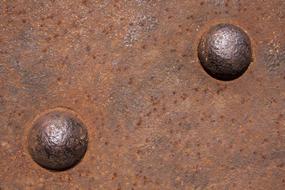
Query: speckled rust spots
point(155, 121)
point(57, 140)
point(225, 52)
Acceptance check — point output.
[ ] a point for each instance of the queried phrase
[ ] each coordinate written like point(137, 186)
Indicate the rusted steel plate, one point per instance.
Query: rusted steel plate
point(130, 71)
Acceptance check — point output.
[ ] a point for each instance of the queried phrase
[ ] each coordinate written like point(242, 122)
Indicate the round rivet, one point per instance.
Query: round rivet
point(225, 52)
point(57, 140)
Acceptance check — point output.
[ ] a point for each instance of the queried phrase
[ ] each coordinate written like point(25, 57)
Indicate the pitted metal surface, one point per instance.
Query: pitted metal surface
point(155, 118)
point(57, 140)
point(225, 52)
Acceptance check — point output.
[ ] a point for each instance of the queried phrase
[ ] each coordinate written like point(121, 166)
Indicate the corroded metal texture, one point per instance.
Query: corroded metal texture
point(130, 70)
point(225, 52)
point(58, 140)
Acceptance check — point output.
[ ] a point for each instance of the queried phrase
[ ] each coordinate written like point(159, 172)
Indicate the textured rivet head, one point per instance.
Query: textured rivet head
point(225, 52)
point(57, 140)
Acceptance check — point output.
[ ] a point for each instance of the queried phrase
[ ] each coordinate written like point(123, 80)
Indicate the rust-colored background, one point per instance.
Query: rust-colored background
point(129, 69)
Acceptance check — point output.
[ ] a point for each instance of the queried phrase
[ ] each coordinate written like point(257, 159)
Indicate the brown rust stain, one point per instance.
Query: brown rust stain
point(155, 119)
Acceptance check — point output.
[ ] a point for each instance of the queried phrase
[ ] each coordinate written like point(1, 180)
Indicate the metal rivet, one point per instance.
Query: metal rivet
point(57, 140)
point(225, 52)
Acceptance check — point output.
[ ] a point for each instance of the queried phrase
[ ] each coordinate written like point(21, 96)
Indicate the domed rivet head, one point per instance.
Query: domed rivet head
point(225, 52)
point(57, 140)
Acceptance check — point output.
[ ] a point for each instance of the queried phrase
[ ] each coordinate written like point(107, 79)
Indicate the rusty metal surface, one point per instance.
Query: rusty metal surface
point(130, 70)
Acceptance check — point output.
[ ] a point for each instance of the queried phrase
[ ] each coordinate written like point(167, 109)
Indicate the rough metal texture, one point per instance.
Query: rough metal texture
point(57, 140)
point(225, 52)
point(155, 118)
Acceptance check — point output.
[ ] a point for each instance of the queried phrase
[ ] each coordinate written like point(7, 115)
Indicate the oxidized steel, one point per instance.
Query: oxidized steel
point(57, 140)
point(225, 52)
point(155, 118)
